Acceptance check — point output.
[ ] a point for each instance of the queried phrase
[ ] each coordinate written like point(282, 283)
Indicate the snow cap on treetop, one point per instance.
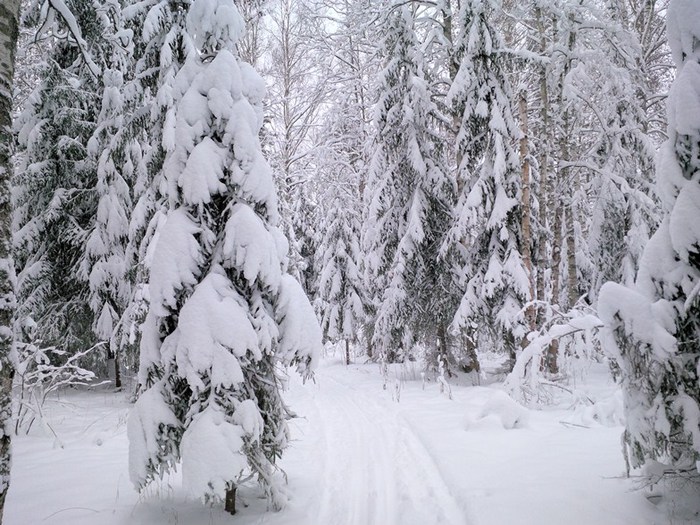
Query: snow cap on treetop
point(683, 28)
point(215, 25)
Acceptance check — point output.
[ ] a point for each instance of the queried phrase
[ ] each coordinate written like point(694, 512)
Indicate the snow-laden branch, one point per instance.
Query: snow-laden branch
point(527, 372)
point(49, 10)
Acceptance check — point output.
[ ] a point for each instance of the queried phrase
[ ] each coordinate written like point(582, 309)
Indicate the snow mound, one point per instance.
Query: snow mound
point(500, 412)
point(608, 412)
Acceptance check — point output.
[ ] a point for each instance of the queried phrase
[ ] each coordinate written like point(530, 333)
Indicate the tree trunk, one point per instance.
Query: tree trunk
point(572, 267)
point(543, 161)
point(571, 183)
point(553, 350)
point(564, 155)
point(347, 351)
point(9, 32)
point(442, 348)
point(526, 241)
point(117, 370)
point(472, 359)
point(230, 504)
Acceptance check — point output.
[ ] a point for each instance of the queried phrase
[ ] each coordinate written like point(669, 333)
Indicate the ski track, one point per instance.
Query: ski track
point(376, 470)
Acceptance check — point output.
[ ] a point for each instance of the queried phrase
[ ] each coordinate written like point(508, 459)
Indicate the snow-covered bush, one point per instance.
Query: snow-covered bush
point(40, 372)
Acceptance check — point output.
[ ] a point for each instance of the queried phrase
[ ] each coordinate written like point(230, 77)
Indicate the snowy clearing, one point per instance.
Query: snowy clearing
point(361, 455)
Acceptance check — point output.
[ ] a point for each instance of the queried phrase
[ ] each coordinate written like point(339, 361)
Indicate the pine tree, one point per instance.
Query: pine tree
point(407, 203)
point(485, 237)
point(9, 33)
point(653, 326)
point(224, 315)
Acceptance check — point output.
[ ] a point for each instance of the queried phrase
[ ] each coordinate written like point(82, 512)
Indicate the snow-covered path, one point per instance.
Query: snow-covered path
point(375, 469)
point(360, 455)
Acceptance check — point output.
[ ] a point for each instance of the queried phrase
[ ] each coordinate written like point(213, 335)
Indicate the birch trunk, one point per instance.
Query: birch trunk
point(526, 243)
point(544, 162)
point(9, 32)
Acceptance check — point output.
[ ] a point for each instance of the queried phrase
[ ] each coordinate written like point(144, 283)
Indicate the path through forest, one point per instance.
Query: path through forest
point(367, 449)
point(376, 470)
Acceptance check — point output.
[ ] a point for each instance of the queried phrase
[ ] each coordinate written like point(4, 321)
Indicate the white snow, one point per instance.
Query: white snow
point(150, 411)
point(300, 333)
point(215, 19)
point(357, 457)
point(213, 333)
point(249, 245)
point(209, 431)
point(683, 29)
point(176, 257)
point(201, 177)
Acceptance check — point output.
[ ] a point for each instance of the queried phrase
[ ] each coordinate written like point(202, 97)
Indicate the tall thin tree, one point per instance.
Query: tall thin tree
point(9, 33)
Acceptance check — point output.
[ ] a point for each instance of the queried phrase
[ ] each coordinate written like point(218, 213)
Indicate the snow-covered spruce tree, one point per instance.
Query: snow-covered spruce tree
point(9, 33)
point(407, 201)
point(340, 156)
point(624, 208)
point(224, 316)
point(652, 328)
point(105, 264)
point(340, 287)
point(485, 236)
point(53, 195)
point(343, 141)
point(159, 51)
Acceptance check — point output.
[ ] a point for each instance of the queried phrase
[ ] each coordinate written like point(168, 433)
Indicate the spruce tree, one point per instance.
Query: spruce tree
point(105, 264)
point(339, 299)
point(408, 198)
point(159, 51)
point(484, 239)
point(625, 207)
point(652, 327)
point(55, 202)
point(224, 316)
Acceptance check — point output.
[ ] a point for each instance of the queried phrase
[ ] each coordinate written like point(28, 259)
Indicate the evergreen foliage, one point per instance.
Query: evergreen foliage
point(224, 315)
point(54, 199)
point(484, 239)
point(653, 325)
point(407, 200)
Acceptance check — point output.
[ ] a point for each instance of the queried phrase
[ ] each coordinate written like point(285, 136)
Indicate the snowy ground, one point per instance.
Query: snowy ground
point(362, 454)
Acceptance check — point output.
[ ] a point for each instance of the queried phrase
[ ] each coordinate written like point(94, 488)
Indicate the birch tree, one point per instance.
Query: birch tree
point(9, 33)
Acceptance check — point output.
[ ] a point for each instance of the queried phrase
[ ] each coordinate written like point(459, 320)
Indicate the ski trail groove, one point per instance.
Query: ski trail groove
point(376, 471)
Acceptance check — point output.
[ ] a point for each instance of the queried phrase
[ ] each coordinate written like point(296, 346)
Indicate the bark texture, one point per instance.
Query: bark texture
point(9, 32)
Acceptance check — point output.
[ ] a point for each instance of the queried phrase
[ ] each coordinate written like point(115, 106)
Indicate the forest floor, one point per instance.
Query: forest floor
point(369, 448)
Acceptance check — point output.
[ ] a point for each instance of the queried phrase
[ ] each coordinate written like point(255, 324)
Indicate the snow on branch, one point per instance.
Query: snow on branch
point(52, 8)
point(528, 373)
